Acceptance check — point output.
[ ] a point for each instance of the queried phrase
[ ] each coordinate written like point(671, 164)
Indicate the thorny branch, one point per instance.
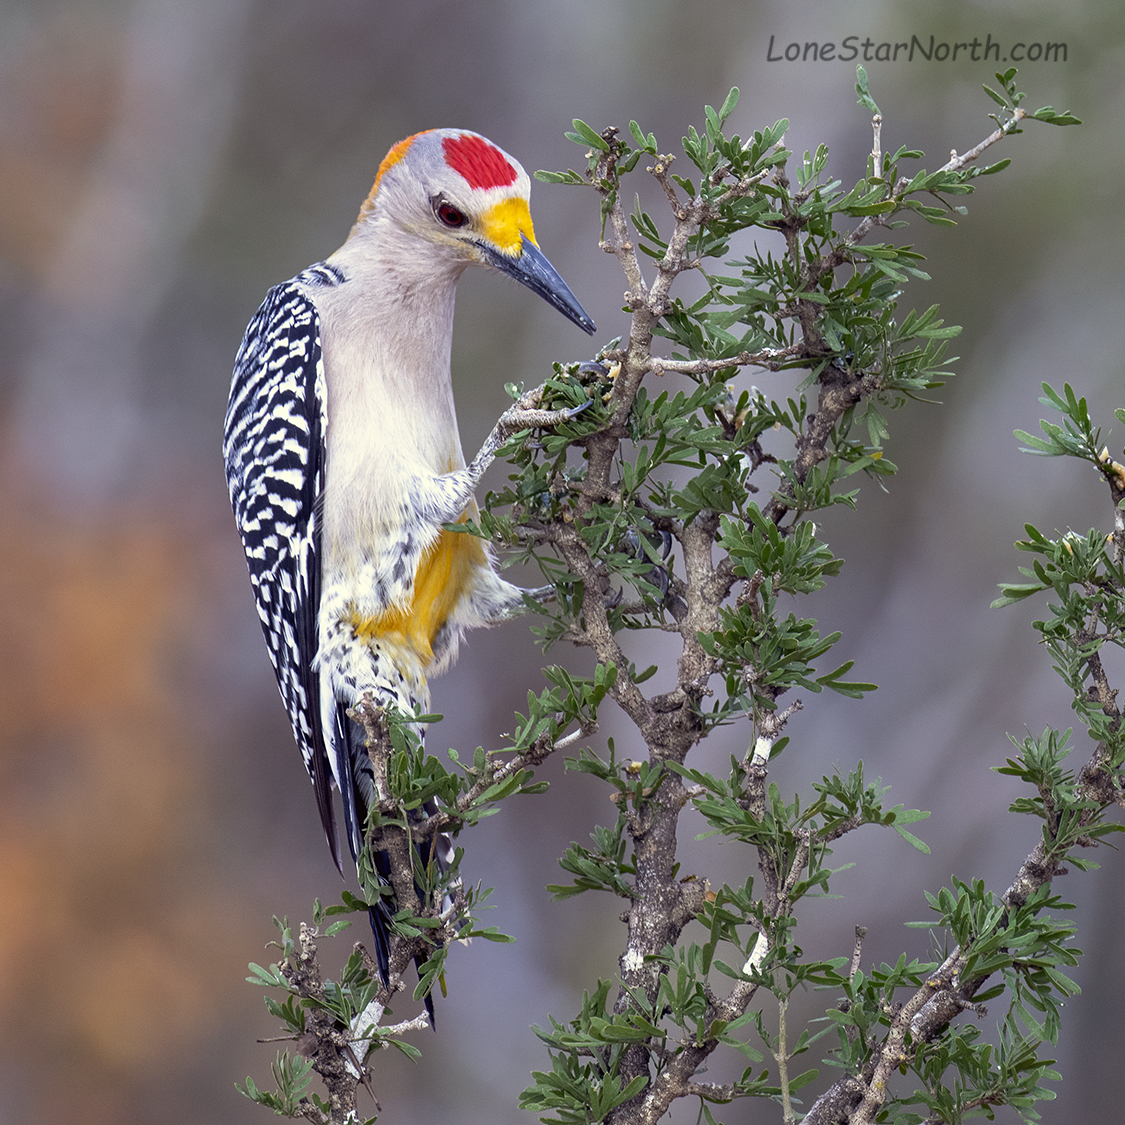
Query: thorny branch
point(337, 1053)
point(947, 993)
point(955, 163)
point(398, 838)
point(660, 906)
point(324, 1043)
point(392, 836)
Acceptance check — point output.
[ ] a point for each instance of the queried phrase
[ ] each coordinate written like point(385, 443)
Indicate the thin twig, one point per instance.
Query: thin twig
point(955, 163)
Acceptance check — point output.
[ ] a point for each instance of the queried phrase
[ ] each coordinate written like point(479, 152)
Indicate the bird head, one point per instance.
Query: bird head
point(469, 200)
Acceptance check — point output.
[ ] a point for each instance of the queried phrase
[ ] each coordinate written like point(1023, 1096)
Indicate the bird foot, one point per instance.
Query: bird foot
point(526, 414)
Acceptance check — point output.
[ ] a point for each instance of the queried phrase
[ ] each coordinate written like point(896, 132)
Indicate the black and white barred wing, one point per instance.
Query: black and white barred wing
point(274, 451)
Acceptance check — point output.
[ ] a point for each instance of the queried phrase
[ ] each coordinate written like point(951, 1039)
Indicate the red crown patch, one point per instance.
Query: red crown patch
point(482, 164)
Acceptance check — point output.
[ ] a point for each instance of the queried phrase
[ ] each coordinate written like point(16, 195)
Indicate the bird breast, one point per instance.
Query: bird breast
point(391, 429)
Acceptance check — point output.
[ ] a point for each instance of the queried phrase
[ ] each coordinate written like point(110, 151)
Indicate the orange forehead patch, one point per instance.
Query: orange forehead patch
point(398, 151)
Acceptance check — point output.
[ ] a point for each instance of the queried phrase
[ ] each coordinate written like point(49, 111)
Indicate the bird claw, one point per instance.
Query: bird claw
point(526, 415)
point(593, 367)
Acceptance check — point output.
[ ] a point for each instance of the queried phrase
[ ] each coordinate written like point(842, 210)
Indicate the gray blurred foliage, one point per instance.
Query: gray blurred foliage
point(162, 163)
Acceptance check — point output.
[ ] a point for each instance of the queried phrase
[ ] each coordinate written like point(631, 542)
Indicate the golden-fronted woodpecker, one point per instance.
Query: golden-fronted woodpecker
point(344, 461)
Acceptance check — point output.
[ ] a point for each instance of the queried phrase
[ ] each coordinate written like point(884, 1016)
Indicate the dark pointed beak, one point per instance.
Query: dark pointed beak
point(532, 269)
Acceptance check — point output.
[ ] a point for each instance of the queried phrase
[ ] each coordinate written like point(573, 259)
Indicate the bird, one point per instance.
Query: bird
point(343, 462)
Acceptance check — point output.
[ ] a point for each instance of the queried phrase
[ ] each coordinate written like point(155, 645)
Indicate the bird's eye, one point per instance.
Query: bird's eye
point(450, 216)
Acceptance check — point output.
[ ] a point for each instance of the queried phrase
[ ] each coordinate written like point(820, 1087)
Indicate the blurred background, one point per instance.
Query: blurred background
point(162, 163)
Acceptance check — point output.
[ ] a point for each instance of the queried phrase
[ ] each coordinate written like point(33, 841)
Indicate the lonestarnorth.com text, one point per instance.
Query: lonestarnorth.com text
point(869, 50)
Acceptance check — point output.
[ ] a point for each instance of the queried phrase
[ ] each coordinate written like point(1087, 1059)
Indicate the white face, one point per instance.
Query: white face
point(457, 189)
point(448, 198)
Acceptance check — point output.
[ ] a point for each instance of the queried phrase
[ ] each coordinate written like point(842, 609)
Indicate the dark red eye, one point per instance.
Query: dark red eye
point(450, 215)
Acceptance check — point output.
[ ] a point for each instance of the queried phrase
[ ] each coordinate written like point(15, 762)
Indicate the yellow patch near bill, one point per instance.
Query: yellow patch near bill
point(444, 573)
point(506, 223)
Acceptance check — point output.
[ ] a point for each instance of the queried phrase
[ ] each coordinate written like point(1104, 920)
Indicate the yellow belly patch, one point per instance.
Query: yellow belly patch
point(444, 574)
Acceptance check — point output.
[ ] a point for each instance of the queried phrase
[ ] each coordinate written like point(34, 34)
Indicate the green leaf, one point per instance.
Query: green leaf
point(584, 135)
point(1000, 101)
point(408, 1049)
point(267, 978)
point(1016, 592)
point(645, 144)
point(559, 178)
point(1052, 118)
point(865, 99)
point(911, 839)
point(728, 106)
